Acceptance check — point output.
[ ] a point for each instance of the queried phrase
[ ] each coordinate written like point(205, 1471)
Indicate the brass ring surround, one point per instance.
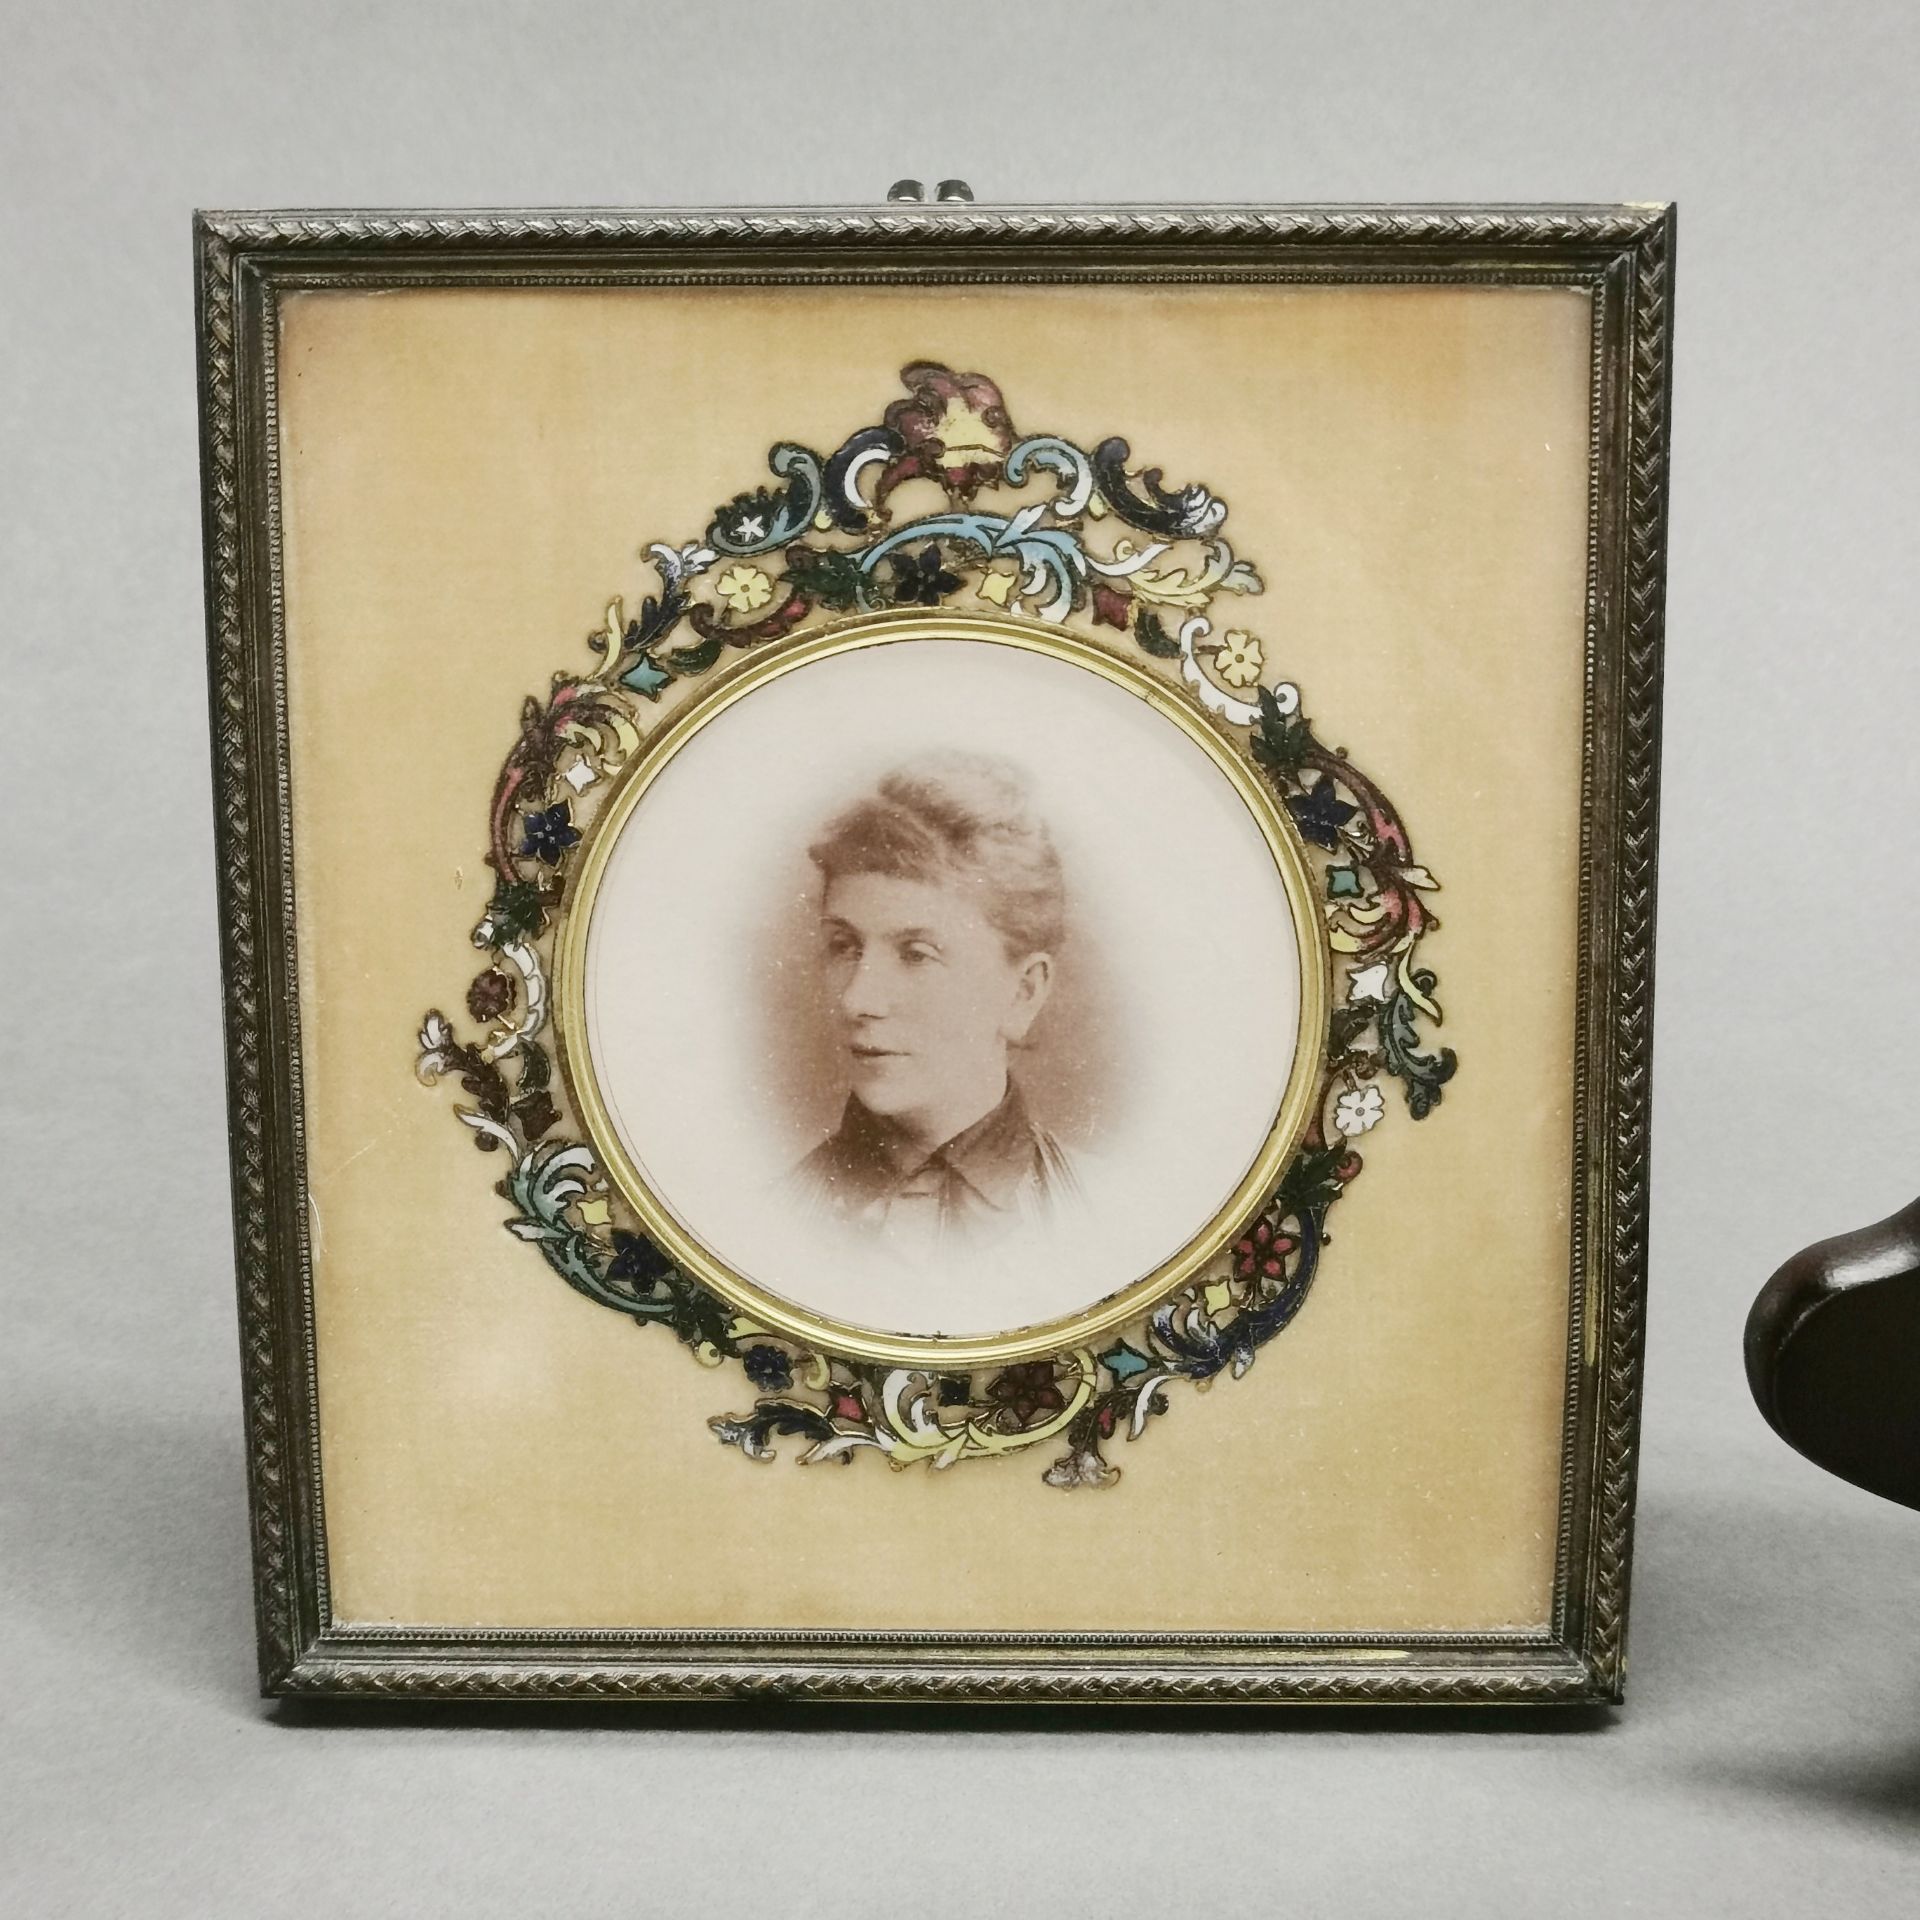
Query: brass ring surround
point(787, 1318)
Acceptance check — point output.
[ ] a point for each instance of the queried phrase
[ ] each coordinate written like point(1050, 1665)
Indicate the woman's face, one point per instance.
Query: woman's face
point(927, 996)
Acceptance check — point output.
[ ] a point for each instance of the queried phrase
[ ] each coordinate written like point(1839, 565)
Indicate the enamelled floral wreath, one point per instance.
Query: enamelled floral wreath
point(823, 543)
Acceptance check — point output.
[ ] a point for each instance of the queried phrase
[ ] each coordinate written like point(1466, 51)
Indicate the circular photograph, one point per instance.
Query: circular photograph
point(940, 985)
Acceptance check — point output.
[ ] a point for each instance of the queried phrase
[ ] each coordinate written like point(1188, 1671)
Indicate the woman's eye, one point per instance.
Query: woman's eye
point(917, 953)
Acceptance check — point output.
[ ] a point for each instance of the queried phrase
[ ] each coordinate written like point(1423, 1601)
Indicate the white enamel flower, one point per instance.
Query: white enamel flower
point(1371, 983)
point(1358, 1110)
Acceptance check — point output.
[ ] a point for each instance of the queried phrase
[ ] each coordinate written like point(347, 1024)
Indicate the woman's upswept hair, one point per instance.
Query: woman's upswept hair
point(962, 818)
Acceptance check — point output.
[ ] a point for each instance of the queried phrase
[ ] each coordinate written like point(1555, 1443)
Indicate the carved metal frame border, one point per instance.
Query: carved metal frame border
point(1621, 254)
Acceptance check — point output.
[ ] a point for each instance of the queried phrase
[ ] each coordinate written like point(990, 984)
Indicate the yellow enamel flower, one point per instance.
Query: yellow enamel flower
point(744, 589)
point(1240, 659)
point(996, 586)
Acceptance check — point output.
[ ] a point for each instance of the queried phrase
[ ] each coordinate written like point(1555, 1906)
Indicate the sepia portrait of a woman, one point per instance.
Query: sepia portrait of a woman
point(892, 981)
point(942, 924)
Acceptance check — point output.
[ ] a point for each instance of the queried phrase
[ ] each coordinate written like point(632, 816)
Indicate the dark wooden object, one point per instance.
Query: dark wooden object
point(1833, 1355)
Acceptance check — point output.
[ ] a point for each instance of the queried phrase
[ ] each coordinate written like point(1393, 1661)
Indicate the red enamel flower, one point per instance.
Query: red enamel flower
point(1023, 1394)
point(490, 995)
point(955, 427)
point(1262, 1255)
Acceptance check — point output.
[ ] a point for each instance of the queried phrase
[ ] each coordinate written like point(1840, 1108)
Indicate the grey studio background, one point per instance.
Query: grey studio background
point(1769, 1758)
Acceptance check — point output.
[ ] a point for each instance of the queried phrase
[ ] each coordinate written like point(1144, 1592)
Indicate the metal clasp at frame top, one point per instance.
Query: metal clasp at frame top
point(916, 190)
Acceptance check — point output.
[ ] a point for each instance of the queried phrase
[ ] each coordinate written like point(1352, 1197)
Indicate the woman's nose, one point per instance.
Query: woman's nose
point(865, 992)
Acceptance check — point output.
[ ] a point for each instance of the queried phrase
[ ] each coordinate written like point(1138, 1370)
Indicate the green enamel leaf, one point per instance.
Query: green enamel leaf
point(1311, 1183)
point(831, 578)
point(1154, 637)
point(1280, 741)
point(536, 1070)
point(685, 660)
point(518, 912)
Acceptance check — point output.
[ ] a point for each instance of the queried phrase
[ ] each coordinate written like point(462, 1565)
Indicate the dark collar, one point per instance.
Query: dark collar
point(992, 1156)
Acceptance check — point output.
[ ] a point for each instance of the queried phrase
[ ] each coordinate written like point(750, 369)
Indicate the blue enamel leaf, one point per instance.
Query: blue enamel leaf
point(645, 678)
point(1123, 1362)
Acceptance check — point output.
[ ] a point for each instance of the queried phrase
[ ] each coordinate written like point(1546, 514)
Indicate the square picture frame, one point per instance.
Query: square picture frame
point(446, 1505)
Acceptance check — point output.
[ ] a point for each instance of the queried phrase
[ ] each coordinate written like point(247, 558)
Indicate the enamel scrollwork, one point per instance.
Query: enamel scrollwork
point(1113, 554)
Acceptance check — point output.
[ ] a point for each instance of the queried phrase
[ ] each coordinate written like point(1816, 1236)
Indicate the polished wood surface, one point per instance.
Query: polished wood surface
point(1833, 1355)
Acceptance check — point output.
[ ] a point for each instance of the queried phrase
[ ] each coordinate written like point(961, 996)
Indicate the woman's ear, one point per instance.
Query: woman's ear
point(1032, 984)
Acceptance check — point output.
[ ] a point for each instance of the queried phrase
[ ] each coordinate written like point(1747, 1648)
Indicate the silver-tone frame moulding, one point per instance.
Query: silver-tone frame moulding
point(1623, 255)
